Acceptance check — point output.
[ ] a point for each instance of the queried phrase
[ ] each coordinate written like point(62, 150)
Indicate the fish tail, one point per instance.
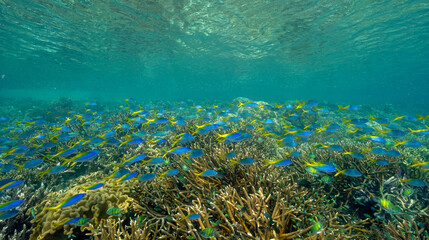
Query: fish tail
point(267, 162)
point(233, 162)
point(412, 131)
point(43, 173)
point(166, 152)
point(416, 163)
point(19, 166)
point(116, 165)
point(107, 178)
point(345, 120)
point(339, 172)
point(397, 143)
point(342, 108)
point(53, 208)
point(122, 143)
point(38, 146)
point(175, 142)
point(362, 136)
point(379, 131)
point(66, 161)
point(366, 149)
point(162, 175)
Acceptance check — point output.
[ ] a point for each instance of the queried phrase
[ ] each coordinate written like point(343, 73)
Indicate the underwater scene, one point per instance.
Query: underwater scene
point(223, 119)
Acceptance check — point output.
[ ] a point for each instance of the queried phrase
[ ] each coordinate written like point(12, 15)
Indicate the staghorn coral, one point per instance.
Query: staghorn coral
point(113, 229)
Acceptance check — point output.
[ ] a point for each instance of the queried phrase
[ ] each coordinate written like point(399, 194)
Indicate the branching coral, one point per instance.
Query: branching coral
point(114, 229)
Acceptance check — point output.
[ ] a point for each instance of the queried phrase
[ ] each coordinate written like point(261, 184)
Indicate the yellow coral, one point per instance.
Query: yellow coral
point(93, 206)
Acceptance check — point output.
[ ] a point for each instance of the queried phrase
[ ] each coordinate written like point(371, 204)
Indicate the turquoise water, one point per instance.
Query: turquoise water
point(351, 51)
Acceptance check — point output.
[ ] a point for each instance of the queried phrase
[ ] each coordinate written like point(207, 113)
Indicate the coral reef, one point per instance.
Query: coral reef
point(256, 201)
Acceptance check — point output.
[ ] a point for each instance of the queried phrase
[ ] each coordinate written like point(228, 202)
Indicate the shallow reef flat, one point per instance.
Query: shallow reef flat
point(242, 169)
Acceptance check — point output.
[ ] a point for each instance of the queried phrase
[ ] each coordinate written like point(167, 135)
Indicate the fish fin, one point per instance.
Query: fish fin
point(342, 108)
point(339, 172)
point(19, 166)
point(416, 163)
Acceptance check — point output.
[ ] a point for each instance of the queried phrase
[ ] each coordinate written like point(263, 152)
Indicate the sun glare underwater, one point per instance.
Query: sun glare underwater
point(223, 119)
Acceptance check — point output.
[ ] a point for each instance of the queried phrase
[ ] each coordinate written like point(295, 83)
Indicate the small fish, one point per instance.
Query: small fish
point(281, 162)
point(317, 227)
point(377, 151)
point(327, 179)
point(82, 157)
point(408, 143)
point(312, 171)
point(54, 170)
point(69, 221)
point(8, 214)
point(247, 104)
point(349, 172)
point(33, 213)
point(169, 173)
point(388, 206)
point(393, 153)
point(10, 205)
point(208, 232)
point(177, 150)
point(373, 138)
point(157, 120)
point(424, 165)
point(7, 167)
point(94, 186)
point(192, 216)
point(11, 184)
point(229, 136)
point(408, 192)
point(161, 133)
point(196, 153)
point(147, 177)
point(336, 148)
point(117, 174)
point(30, 164)
point(413, 182)
point(127, 177)
point(354, 154)
point(244, 161)
point(69, 201)
point(130, 160)
point(207, 173)
point(229, 155)
point(324, 167)
point(114, 211)
point(380, 162)
point(293, 154)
